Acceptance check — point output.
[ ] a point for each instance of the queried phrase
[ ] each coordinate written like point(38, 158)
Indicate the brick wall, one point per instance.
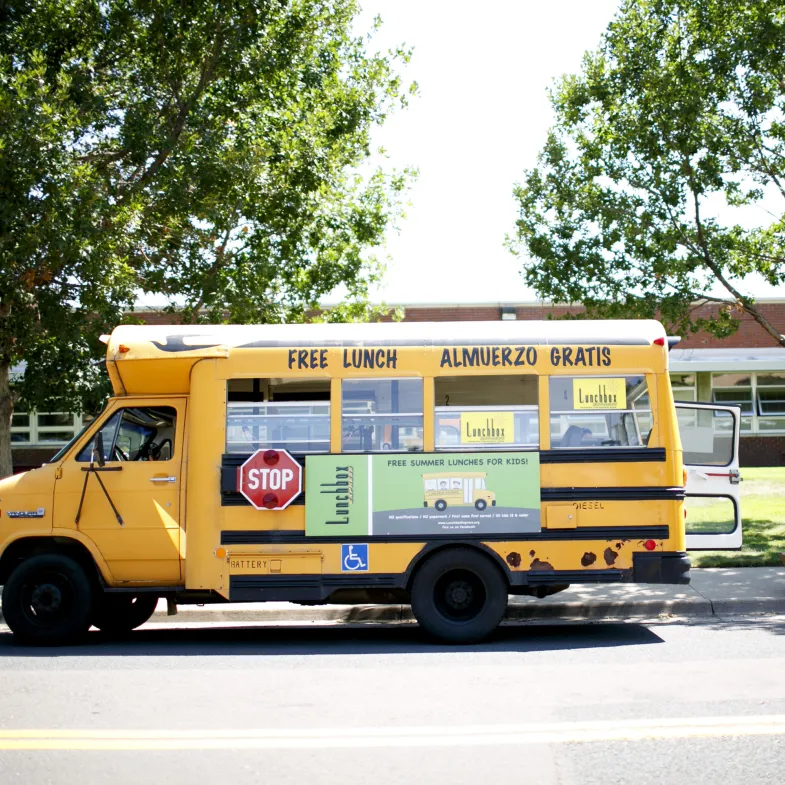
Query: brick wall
point(30, 457)
point(762, 450)
point(748, 335)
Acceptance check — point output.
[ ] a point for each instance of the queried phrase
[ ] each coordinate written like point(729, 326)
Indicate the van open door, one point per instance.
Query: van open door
point(710, 440)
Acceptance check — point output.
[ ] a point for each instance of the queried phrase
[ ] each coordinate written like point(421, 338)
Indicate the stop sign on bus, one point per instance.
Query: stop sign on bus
point(270, 479)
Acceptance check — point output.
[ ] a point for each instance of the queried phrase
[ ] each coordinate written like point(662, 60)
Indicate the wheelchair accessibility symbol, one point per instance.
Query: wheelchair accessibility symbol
point(354, 558)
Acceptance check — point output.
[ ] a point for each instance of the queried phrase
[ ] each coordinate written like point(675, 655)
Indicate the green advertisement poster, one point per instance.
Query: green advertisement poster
point(413, 495)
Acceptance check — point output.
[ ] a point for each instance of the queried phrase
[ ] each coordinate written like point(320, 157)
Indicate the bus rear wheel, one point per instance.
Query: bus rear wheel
point(47, 600)
point(459, 596)
point(118, 614)
point(441, 505)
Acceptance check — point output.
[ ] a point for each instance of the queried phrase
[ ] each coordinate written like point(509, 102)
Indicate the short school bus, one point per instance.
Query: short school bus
point(562, 436)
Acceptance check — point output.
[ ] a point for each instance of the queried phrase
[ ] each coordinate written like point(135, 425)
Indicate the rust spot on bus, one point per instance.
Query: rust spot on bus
point(514, 559)
point(588, 559)
point(610, 556)
point(531, 553)
point(540, 566)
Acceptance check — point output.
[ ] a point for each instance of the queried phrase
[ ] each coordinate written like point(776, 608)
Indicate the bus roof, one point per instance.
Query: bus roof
point(182, 346)
point(148, 341)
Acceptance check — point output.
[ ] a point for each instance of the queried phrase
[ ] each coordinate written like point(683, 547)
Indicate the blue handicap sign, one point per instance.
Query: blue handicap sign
point(354, 558)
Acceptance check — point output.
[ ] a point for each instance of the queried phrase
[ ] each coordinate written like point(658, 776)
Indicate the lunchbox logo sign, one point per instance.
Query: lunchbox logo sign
point(599, 393)
point(487, 428)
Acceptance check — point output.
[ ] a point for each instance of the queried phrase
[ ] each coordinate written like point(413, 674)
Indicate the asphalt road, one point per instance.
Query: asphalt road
point(576, 703)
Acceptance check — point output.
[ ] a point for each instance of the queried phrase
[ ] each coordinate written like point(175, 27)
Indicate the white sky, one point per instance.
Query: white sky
point(481, 118)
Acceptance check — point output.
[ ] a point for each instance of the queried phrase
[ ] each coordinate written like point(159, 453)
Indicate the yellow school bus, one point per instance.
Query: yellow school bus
point(570, 426)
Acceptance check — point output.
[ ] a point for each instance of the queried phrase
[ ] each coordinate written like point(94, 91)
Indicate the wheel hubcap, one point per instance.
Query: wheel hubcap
point(46, 598)
point(460, 595)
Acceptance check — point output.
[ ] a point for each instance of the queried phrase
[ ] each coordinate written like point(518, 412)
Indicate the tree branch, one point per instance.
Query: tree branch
point(220, 259)
point(745, 302)
point(205, 78)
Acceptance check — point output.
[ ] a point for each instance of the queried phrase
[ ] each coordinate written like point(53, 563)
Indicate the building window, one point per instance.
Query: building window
point(770, 394)
point(684, 387)
point(735, 389)
point(45, 429)
point(486, 413)
point(55, 427)
point(382, 414)
point(596, 412)
point(21, 429)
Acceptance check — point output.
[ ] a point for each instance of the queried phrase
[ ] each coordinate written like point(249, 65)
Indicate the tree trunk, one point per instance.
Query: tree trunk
point(6, 410)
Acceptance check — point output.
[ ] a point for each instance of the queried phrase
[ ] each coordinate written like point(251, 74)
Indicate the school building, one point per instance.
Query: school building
point(746, 369)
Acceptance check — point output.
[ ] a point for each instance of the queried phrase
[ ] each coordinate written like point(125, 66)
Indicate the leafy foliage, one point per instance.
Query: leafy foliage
point(669, 137)
point(214, 154)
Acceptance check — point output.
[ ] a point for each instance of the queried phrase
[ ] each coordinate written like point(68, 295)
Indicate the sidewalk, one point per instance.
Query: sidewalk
point(712, 593)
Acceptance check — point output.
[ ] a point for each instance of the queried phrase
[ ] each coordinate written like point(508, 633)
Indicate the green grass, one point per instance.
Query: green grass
point(763, 522)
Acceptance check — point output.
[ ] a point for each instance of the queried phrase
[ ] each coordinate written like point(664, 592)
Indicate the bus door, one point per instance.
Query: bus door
point(710, 440)
point(130, 506)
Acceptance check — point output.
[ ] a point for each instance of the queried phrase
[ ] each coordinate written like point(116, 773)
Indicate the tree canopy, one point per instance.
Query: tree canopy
point(661, 186)
point(213, 154)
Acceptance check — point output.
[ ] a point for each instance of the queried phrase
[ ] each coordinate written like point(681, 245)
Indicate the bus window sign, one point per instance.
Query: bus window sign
point(599, 393)
point(487, 427)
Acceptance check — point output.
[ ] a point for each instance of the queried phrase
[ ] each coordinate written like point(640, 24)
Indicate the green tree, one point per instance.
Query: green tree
point(215, 154)
point(647, 197)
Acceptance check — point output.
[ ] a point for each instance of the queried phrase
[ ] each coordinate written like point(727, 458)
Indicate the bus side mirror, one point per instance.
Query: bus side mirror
point(98, 449)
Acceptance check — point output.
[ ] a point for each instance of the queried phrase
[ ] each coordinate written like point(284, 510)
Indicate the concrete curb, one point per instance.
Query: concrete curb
point(516, 612)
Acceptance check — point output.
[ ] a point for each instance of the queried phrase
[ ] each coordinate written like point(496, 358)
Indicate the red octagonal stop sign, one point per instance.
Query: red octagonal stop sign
point(270, 479)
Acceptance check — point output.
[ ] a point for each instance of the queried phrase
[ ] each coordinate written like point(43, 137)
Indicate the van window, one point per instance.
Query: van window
point(592, 411)
point(486, 413)
point(137, 433)
point(706, 436)
point(382, 414)
point(289, 414)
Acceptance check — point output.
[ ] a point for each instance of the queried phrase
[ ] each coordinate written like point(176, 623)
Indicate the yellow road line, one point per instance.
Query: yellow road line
point(432, 736)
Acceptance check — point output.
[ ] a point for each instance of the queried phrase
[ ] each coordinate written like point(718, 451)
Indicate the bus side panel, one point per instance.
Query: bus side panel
point(207, 436)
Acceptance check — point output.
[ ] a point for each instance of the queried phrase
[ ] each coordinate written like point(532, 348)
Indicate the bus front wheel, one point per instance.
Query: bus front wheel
point(459, 596)
point(47, 600)
point(441, 505)
point(480, 504)
point(118, 614)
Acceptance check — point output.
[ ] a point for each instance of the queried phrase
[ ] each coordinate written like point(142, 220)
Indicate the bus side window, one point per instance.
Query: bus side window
point(594, 411)
point(498, 412)
point(382, 415)
point(290, 414)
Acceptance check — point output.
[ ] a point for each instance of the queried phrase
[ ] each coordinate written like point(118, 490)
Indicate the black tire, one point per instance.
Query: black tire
point(47, 600)
point(480, 504)
point(441, 505)
point(459, 596)
point(118, 614)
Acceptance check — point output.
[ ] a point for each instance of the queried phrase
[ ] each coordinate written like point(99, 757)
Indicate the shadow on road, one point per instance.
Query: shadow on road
point(391, 639)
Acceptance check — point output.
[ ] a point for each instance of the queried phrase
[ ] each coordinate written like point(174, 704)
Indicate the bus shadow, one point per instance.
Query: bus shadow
point(340, 640)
